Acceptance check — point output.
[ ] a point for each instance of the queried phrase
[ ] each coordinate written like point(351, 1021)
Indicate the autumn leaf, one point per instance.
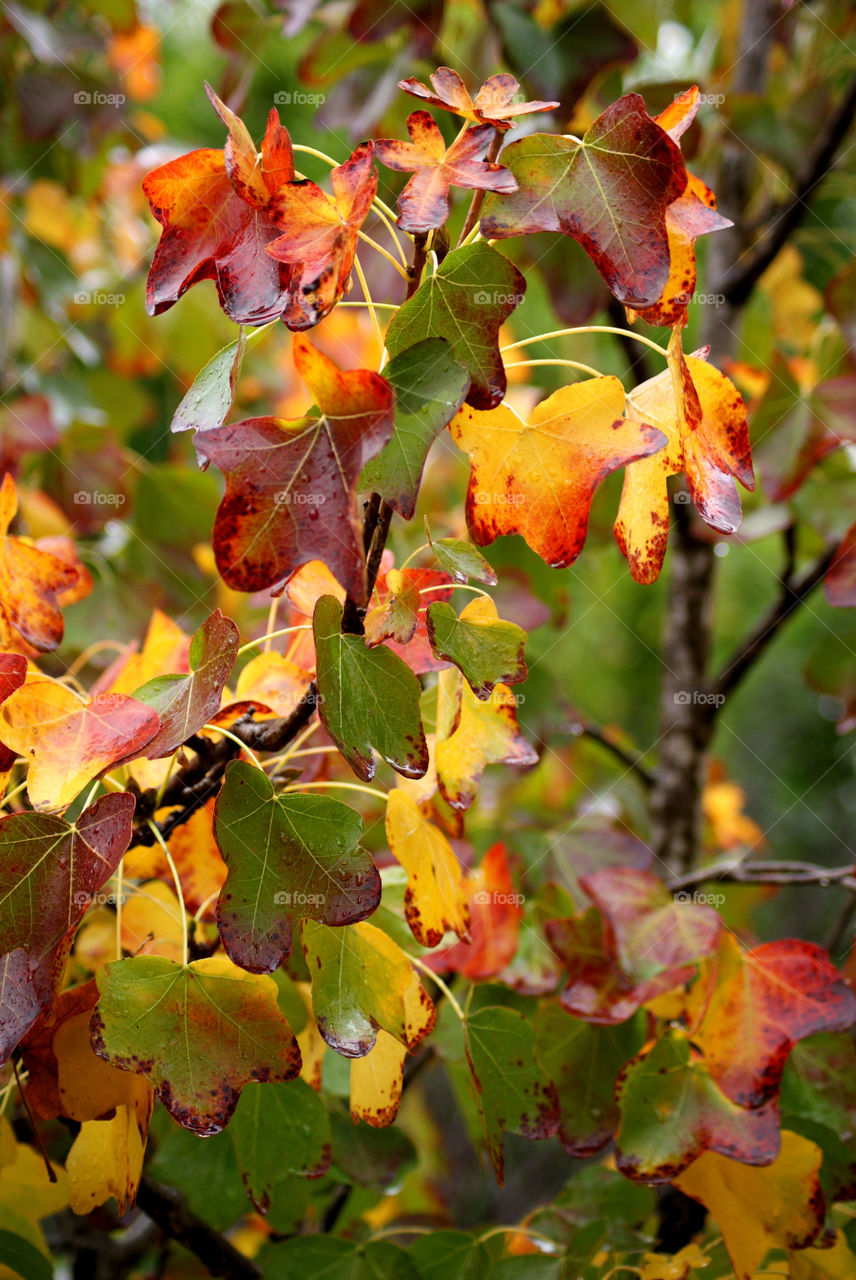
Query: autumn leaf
point(165, 649)
point(512, 1092)
point(424, 202)
point(598, 988)
point(68, 740)
point(368, 699)
point(583, 1061)
point(712, 453)
point(195, 855)
point(274, 682)
point(537, 478)
point(435, 900)
point(693, 214)
point(488, 650)
point(279, 1131)
point(610, 191)
point(647, 929)
point(672, 1111)
point(397, 617)
point(106, 1159)
point(466, 301)
point(481, 733)
point(31, 582)
point(185, 703)
point(763, 1002)
point(291, 486)
point(290, 857)
point(496, 103)
point(495, 916)
point(429, 389)
point(152, 921)
point(362, 982)
point(376, 1082)
point(19, 999)
point(13, 673)
point(37, 1053)
point(49, 870)
point(319, 235)
point(414, 584)
point(215, 211)
point(777, 1207)
point(197, 1032)
point(839, 585)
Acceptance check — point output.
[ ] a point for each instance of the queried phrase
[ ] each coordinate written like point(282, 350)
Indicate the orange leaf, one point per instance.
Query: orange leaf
point(69, 740)
point(538, 478)
point(495, 103)
point(31, 581)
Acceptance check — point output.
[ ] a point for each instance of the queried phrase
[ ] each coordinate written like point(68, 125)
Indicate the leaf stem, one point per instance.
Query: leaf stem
point(519, 1231)
point(271, 621)
point(340, 786)
point(178, 890)
point(586, 328)
point(570, 364)
point(370, 301)
point(454, 586)
point(402, 271)
point(304, 734)
point(233, 737)
point(438, 981)
point(272, 635)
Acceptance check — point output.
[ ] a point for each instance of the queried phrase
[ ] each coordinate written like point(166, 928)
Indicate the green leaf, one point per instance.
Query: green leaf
point(513, 1093)
point(186, 702)
point(24, 1258)
point(472, 293)
point(461, 560)
point(205, 1172)
point(486, 649)
point(331, 1258)
point(429, 390)
point(198, 1032)
point(672, 1111)
point(290, 857)
point(208, 399)
point(450, 1255)
point(279, 1130)
point(362, 981)
point(375, 1159)
point(583, 1061)
point(610, 192)
point(367, 698)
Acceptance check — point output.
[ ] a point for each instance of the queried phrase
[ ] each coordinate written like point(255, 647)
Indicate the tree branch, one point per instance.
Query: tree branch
point(168, 1209)
point(630, 760)
point(794, 592)
point(739, 282)
point(768, 871)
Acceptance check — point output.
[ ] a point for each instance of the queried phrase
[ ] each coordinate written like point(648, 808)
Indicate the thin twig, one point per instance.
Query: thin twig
point(780, 871)
point(739, 282)
point(631, 761)
point(168, 1209)
point(794, 592)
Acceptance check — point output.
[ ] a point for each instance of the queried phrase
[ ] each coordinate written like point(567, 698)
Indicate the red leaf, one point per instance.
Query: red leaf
point(214, 210)
point(320, 235)
point(424, 202)
point(291, 487)
point(493, 104)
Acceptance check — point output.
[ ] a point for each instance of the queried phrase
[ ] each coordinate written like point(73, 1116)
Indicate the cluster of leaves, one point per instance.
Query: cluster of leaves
point(187, 918)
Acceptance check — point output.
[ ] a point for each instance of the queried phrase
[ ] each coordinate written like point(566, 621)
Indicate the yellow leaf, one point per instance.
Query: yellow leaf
point(436, 898)
point(537, 478)
point(89, 1088)
point(723, 808)
point(25, 1190)
point(658, 1266)
point(485, 732)
point(164, 653)
point(151, 922)
point(69, 739)
point(106, 1159)
point(273, 680)
point(837, 1263)
point(779, 1206)
point(376, 1081)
